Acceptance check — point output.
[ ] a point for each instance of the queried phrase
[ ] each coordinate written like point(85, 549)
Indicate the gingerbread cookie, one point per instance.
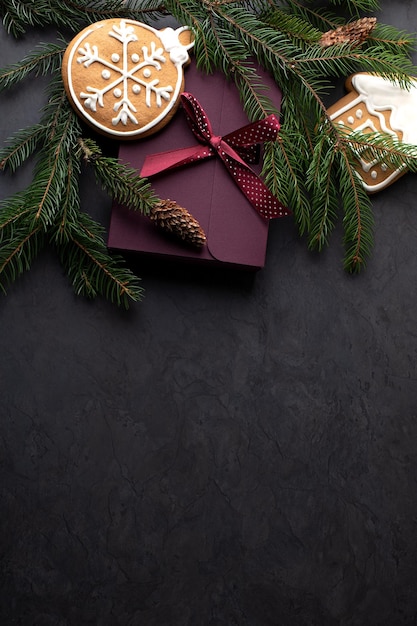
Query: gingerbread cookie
point(124, 78)
point(375, 104)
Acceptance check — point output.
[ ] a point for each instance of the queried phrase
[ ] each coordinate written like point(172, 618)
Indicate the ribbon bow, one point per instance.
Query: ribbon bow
point(232, 149)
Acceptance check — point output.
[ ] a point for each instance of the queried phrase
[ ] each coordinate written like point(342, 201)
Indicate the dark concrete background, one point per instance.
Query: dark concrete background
point(230, 451)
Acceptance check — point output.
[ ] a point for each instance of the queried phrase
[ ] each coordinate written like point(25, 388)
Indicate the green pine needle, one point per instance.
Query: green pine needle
point(46, 59)
point(21, 146)
point(119, 180)
point(20, 245)
point(92, 270)
point(324, 198)
point(71, 15)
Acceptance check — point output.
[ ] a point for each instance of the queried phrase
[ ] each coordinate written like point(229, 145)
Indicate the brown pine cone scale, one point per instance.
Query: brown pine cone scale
point(354, 32)
point(176, 220)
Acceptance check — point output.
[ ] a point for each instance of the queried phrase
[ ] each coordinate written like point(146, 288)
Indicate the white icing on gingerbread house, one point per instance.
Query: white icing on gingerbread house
point(375, 96)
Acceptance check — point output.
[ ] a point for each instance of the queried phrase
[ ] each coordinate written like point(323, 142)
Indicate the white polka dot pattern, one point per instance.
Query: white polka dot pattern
point(232, 147)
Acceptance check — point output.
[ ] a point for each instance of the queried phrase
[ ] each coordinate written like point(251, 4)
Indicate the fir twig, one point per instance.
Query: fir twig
point(119, 180)
point(16, 230)
point(21, 146)
point(283, 173)
point(18, 15)
point(321, 185)
point(358, 218)
point(90, 267)
point(46, 59)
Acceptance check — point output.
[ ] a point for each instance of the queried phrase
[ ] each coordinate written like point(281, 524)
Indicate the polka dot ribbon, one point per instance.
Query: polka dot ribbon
point(234, 149)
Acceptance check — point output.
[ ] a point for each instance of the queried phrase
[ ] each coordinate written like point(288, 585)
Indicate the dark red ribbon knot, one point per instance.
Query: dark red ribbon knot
point(234, 150)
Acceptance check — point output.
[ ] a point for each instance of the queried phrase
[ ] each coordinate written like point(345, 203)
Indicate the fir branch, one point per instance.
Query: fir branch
point(107, 9)
point(344, 59)
point(324, 197)
point(320, 18)
point(18, 251)
point(46, 59)
point(90, 267)
point(254, 98)
point(379, 60)
point(21, 146)
point(283, 174)
point(332, 174)
point(20, 240)
point(50, 173)
point(72, 15)
point(119, 180)
point(229, 52)
point(90, 12)
point(355, 6)
point(231, 58)
point(205, 48)
point(67, 213)
point(18, 14)
point(294, 26)
point(273, 51)
point(358, 217)
point(11, 210)
point(332, 61)
point(271, 47)
point(392, 39)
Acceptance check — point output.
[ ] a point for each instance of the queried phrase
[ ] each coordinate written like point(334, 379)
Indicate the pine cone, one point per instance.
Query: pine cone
point(355, 33)
point(174, 219)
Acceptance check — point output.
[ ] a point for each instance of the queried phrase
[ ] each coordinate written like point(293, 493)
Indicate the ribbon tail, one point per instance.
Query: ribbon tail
point(263, 201)
point(161, 161)
point(268, 207)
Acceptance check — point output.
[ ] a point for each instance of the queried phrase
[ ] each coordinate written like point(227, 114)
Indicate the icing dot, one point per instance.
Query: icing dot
point(351, 119)
point(359, 114)
point(115, 57)
point(136, 89)
point(374, 174)
point(146, 72)
point(384, 167)
point(135, 57)
point(105, 74)
point(117, 92)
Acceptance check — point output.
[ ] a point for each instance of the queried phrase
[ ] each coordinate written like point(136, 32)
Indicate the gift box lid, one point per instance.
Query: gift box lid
point(236, 234)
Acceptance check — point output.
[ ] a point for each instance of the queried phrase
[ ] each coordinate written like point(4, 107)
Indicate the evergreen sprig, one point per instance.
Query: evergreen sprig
point(48, 210)
point(71, 15)
point(119, 180)
point(311, 167)
point(46, 59)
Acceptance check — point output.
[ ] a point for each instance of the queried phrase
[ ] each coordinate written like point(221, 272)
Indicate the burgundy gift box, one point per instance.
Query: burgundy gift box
point(236, 234)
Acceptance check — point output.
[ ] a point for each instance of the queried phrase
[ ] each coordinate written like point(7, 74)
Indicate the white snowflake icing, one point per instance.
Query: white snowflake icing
point(133, 79)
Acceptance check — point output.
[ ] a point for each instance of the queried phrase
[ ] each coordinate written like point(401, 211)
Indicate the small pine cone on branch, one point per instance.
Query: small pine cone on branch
point(354, 33)
point(174, 219)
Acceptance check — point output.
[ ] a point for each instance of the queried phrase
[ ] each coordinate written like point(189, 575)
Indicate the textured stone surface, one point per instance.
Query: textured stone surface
point(229, 452)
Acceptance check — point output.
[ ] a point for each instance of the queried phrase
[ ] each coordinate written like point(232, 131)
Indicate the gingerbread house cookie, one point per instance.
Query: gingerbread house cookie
point(375, 104)
point(124, 78)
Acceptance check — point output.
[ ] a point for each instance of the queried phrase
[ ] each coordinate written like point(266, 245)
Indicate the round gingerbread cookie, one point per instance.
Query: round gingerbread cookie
point(375, 104)
point(124, 78)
